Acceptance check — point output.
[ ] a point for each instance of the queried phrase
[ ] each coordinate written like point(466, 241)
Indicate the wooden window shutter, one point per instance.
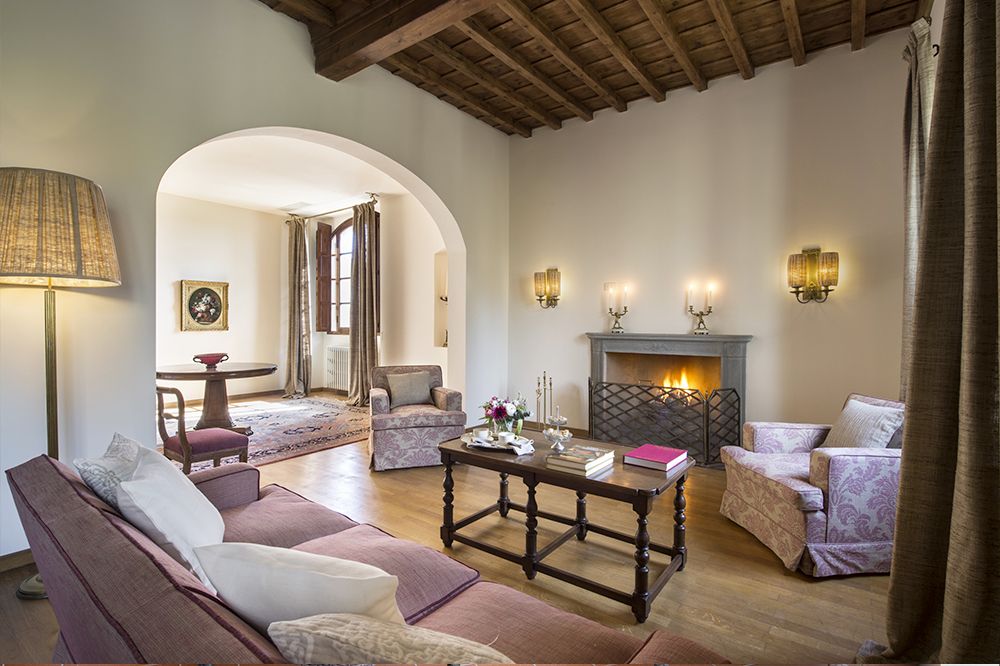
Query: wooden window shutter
point(324, 243)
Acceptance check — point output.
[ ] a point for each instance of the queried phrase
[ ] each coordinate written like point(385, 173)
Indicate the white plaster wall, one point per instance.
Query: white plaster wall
point(115, 91)
point(409, 242)
point(723, 185)
point(200, 240)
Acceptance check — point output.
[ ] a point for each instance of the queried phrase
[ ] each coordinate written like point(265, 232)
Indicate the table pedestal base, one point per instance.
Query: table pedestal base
point(215, 409)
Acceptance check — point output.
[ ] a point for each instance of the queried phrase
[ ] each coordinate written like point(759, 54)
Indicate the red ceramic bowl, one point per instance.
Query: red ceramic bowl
point(210, 360)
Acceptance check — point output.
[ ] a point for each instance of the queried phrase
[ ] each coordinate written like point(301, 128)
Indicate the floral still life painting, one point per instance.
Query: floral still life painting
point(204, 306)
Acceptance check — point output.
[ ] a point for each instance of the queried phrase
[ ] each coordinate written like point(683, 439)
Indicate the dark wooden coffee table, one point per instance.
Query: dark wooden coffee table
point(637, 486)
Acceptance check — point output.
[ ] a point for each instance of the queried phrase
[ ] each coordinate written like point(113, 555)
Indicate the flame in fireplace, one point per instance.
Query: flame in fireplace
point(677, 381)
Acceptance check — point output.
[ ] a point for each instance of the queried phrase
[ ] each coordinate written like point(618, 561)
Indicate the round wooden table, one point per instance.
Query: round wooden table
point(215, 406)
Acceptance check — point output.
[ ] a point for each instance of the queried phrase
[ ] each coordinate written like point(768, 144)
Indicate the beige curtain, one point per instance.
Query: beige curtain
point(364, 302)
point(944, 592)
point(916, 129)
point(299, 357)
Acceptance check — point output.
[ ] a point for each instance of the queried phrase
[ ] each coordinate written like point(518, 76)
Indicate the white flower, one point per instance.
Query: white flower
point(510, 408)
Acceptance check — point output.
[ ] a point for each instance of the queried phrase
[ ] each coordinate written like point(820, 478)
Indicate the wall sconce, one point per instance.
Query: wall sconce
point(812, 275)
point(548, 285)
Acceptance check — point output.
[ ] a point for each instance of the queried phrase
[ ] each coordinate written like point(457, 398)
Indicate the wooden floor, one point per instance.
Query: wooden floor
point(734, 596)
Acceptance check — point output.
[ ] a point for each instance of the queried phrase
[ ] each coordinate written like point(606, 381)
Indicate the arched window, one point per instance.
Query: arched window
point(334, 249)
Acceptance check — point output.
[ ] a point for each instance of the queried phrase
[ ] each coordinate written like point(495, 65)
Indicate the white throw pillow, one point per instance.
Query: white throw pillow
point(357, 639)
point(861, 425)
point(156, 498)
point(264, 584)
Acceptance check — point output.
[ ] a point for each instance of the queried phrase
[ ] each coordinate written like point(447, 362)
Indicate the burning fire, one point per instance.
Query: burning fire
point(680, 381)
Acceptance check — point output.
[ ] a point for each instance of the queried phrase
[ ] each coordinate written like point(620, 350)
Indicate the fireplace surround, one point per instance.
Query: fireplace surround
point(683, 391)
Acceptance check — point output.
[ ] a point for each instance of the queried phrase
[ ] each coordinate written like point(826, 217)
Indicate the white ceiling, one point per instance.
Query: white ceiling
point(275, 175)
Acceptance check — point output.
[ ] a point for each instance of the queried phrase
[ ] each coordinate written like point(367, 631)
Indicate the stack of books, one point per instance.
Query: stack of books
point(582, 460)
point(655, 457)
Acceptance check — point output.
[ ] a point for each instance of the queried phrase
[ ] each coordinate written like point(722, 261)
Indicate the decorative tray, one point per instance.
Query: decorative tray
point(519, 445)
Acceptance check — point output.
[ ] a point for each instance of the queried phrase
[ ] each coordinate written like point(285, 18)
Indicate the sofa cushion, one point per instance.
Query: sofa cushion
point(427, 578)
point(281, 518)
point(664, 648)
point(530, 631)
point(784, 475)
point(409, 388)
point(416, 416)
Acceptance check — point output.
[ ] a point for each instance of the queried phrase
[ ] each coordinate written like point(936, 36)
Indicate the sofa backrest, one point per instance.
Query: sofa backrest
point(117, 596)
point(378, 376)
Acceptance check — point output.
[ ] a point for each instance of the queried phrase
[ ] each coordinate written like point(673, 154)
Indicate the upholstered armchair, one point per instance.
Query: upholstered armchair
point(824, 511)
point(408, 435)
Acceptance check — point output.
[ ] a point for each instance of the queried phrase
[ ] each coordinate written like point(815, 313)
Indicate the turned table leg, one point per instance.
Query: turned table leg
point(503, 502)
point(581, 515)
point(448, 526)
point(680, 503)
point(640, 595)
point(530, 523)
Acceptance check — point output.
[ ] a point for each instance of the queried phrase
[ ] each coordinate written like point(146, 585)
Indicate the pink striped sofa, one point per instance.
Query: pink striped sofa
point(119, 598)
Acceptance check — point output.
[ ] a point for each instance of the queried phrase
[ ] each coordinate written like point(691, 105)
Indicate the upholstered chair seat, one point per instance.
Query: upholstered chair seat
point(209, 440)
point(407, 435)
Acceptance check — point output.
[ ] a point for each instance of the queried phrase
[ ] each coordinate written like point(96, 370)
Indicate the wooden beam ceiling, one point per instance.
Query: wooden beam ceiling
point(384, 28)
point(668, 33)
point(613, 42)
point(523, 64)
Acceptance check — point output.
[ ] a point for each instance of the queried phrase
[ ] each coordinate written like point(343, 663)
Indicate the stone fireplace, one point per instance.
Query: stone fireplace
point(684, 391)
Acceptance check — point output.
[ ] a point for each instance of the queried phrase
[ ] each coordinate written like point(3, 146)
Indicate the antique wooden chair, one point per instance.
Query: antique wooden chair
point(197, 445)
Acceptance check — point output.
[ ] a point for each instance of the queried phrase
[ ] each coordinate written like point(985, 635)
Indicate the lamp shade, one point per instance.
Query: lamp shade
point(553, 283)
point(54, 226)
point(796, 271)
point(829, 269)
point(540, 285)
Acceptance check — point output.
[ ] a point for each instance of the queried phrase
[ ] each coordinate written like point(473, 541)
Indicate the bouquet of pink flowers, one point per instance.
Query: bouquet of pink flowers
point(504, 414)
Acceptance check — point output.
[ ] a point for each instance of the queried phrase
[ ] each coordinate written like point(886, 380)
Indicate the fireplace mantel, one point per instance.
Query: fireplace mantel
point(730, 349)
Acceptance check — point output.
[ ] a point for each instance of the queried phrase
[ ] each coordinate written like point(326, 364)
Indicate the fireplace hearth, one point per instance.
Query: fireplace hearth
point(680, 391)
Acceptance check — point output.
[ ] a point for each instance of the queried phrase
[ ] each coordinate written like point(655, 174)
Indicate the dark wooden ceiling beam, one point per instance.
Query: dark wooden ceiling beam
point(480, 34)
point(441, 50)
point(310, 10)
point(618, 48)
point(657, 15)
point(724, 19)
point(385, 28)
point(924, 8)
point(405, 62)
point(523, 16)
point(790, 10)
point(859, 19)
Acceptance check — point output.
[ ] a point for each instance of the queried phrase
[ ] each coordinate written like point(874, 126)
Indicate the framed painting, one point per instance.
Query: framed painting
point(204, 306)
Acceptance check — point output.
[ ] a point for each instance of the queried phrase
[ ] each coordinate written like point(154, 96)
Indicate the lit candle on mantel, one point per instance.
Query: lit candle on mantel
point(690, 294)
point(609, 295)
point(625, 297)
point(708, 294)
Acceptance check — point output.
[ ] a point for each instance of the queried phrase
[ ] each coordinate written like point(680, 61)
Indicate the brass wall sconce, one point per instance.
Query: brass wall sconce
point(548, 286)
point(812, 275)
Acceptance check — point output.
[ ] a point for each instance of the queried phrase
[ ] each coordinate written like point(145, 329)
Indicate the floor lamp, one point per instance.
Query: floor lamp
point(54, 232)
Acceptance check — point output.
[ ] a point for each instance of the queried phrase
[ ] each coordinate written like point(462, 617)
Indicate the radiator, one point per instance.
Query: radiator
point(337, 360)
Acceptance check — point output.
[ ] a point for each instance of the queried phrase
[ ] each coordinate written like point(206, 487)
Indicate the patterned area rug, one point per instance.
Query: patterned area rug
point(285, 429)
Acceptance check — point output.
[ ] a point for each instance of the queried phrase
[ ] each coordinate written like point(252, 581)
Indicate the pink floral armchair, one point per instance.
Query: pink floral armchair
point(408, 436)
point(824, 511)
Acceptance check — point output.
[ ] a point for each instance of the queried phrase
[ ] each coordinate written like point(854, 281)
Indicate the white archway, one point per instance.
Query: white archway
point(444, 220)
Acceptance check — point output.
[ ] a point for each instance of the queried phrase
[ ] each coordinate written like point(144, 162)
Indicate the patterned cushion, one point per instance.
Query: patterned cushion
point(209, 440)
point(786, 475)
point(427, 578)
point(103, 475)
point(344, 638)
point(416, 416)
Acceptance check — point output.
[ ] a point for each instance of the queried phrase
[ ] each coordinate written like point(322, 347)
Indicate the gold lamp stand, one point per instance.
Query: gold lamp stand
point(56, 232)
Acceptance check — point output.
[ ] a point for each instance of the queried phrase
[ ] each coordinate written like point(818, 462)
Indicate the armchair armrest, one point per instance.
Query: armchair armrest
point(229, 485)
point(446, 399)
point(860, 487)
point(765, 437)
point(379, 401)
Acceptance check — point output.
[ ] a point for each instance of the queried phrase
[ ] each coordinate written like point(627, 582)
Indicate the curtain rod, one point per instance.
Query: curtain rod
point(374, 199)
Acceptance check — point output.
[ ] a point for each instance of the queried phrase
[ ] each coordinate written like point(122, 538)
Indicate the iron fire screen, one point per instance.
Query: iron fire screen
point(675, 417)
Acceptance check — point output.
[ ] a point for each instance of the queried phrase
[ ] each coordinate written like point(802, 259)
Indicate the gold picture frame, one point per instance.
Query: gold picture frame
point(204, 306)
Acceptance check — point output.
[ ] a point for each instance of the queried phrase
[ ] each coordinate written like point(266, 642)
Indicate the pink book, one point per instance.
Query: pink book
point(656, 457)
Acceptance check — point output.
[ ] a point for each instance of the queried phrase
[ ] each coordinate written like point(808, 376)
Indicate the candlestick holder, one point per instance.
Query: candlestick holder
point(700, 328)
point(616, 328)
